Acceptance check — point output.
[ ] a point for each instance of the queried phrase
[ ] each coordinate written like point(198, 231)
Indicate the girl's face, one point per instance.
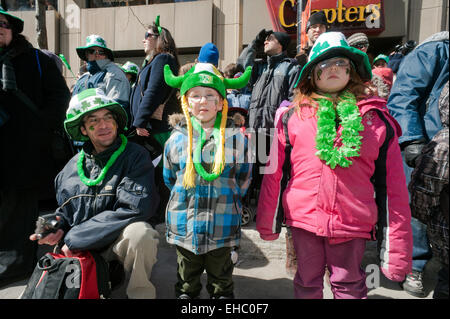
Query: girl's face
point(332, 75)
point(204, 103)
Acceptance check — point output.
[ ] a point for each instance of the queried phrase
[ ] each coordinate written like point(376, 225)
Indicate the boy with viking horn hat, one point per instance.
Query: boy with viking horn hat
point(207, 170)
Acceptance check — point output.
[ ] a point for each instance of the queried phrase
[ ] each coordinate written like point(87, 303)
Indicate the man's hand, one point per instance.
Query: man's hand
point(412, 151)
point(50, 239)
point(261, 37)
point(69, 253)
point(142, 132)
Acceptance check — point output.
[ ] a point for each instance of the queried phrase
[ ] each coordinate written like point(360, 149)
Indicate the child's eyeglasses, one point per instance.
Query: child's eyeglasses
point(198, 98)
point(330, 63)
point(148, 35)
point(96, 51)
point(5, 25)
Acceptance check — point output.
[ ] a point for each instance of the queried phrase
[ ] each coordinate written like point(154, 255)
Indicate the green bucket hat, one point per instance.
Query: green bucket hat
point(88, 101)
point(205, 74)
point(94, 40)
point(334, 44)
point(130, 67)
point(383, 57)
point(16, 22)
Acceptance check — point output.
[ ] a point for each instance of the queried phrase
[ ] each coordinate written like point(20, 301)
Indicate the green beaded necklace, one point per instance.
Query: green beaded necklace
point(198, 149)
point(349, 114)
point(112, 159)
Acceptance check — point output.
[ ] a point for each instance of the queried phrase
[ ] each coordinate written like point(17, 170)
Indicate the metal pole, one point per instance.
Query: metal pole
point(299, 24)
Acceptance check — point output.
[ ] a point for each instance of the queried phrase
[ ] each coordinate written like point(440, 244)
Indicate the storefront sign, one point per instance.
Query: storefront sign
point(347, 16)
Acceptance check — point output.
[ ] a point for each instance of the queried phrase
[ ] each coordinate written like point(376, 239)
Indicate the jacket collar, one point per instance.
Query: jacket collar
point(104, 156)
point(275, 59)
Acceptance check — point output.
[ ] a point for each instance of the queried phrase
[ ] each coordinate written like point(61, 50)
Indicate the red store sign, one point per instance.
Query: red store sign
point(347, 16)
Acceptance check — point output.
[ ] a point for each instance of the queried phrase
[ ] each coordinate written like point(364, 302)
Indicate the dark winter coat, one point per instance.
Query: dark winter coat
point(26, 161)
point(93, 217)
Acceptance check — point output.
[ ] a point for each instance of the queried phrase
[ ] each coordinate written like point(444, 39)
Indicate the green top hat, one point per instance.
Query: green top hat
point(94, 40)
point(88, 101)
point(205, 74)
point(333, 44)
point(16, 22)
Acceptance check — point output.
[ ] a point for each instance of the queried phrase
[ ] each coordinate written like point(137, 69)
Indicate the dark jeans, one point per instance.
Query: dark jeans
point(219, 269)
point(18, 214)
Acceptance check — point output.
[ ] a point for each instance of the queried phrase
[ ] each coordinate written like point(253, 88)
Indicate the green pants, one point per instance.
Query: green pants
point(219, 270)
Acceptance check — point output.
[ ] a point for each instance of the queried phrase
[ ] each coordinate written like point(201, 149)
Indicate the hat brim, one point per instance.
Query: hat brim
point(359, 59)
point(15, 21)
point(81, 51)
point(72, 126)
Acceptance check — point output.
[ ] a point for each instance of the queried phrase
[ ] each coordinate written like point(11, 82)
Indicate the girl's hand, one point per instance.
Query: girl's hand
point(142, 132)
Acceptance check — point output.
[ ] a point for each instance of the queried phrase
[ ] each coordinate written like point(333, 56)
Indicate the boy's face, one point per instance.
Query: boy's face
point(204, 103)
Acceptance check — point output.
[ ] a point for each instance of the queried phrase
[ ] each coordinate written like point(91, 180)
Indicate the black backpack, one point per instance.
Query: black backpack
point(59, 277)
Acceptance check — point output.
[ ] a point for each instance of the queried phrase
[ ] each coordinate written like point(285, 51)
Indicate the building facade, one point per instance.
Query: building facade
point(230, 24)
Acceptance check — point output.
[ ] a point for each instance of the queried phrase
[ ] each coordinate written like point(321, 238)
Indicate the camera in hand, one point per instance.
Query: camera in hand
point(45, 225)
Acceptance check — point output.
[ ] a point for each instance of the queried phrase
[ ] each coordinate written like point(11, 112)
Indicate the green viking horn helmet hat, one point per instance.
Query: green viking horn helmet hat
point(205, 74)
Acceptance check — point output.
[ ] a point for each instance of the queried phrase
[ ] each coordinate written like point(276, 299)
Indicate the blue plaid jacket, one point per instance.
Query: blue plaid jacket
point(208, 216)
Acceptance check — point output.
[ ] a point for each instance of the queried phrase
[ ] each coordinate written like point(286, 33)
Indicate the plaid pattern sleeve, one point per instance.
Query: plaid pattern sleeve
point(207, 216)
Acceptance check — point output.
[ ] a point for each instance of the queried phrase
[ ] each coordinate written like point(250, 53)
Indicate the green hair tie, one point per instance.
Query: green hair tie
point(198, 149)
point(111, 161)
point(351, 124)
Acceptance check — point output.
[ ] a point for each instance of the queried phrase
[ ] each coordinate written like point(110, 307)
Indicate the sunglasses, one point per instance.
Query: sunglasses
point(96, 51)
point(361, 46)
point(148, 34)
point(5, 25)
point(339, 63)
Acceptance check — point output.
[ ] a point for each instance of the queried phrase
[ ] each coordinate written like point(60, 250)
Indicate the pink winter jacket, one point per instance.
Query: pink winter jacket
point(342, 203)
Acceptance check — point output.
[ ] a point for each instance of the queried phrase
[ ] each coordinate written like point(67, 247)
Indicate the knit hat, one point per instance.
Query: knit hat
point(283, 38)
point(317, 18)
point(209, 54)
point(130, 67)
point(358, 39)
point(94, 40)
point(333, 44)
point(383, 57)
point(205, 75)
point(16, 22)
point(88, 101)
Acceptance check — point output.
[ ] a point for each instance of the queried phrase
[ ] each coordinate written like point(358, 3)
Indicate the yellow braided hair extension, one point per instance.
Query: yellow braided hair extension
point(189, 174)
point(219, 159)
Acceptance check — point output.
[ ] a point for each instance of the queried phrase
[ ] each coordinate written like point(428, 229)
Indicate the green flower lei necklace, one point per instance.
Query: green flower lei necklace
point(198, 149)
point(112, 159)
point(326, 130)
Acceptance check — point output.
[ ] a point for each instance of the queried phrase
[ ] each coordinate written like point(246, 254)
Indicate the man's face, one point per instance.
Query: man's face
point(95, 53)
point(149, 41)
point(5, 32)
point(272, 46)
point(101, 128)
point(314, 31)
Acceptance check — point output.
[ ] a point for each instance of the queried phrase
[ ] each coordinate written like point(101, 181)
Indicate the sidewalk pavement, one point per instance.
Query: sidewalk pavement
point(259, 274)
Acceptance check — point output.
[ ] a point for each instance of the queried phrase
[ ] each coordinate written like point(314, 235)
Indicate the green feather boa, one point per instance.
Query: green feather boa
point(348, 112)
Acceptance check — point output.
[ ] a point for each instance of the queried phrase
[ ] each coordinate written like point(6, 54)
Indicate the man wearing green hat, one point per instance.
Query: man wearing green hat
point(33, 99)
point(106, 192)
point(102, 72)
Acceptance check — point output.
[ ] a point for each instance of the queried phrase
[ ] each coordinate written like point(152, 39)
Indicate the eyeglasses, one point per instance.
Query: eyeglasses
point(5, 25)
point(271, 38)
point(148, 34)
point(361, 46)
point(198, 98)
point(339, 63)
point(96, 51)
point(94, 121)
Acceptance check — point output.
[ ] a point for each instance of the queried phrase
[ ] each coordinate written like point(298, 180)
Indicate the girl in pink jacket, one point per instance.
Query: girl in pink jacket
point(335, 176)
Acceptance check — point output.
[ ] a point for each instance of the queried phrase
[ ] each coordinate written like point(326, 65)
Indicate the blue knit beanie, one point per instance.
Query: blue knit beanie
point(209, 54)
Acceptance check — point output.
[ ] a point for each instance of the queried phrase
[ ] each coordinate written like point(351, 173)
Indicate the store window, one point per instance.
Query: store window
point(123, 3)
point(28, 5)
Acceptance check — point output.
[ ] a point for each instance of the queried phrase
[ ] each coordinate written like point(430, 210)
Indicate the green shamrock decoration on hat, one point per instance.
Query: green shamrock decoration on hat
point(88, 101)
point(334, 44)
point(130, 67)
point(94, 40)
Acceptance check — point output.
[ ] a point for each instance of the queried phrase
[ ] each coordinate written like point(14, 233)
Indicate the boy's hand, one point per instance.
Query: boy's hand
point(142, 132)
